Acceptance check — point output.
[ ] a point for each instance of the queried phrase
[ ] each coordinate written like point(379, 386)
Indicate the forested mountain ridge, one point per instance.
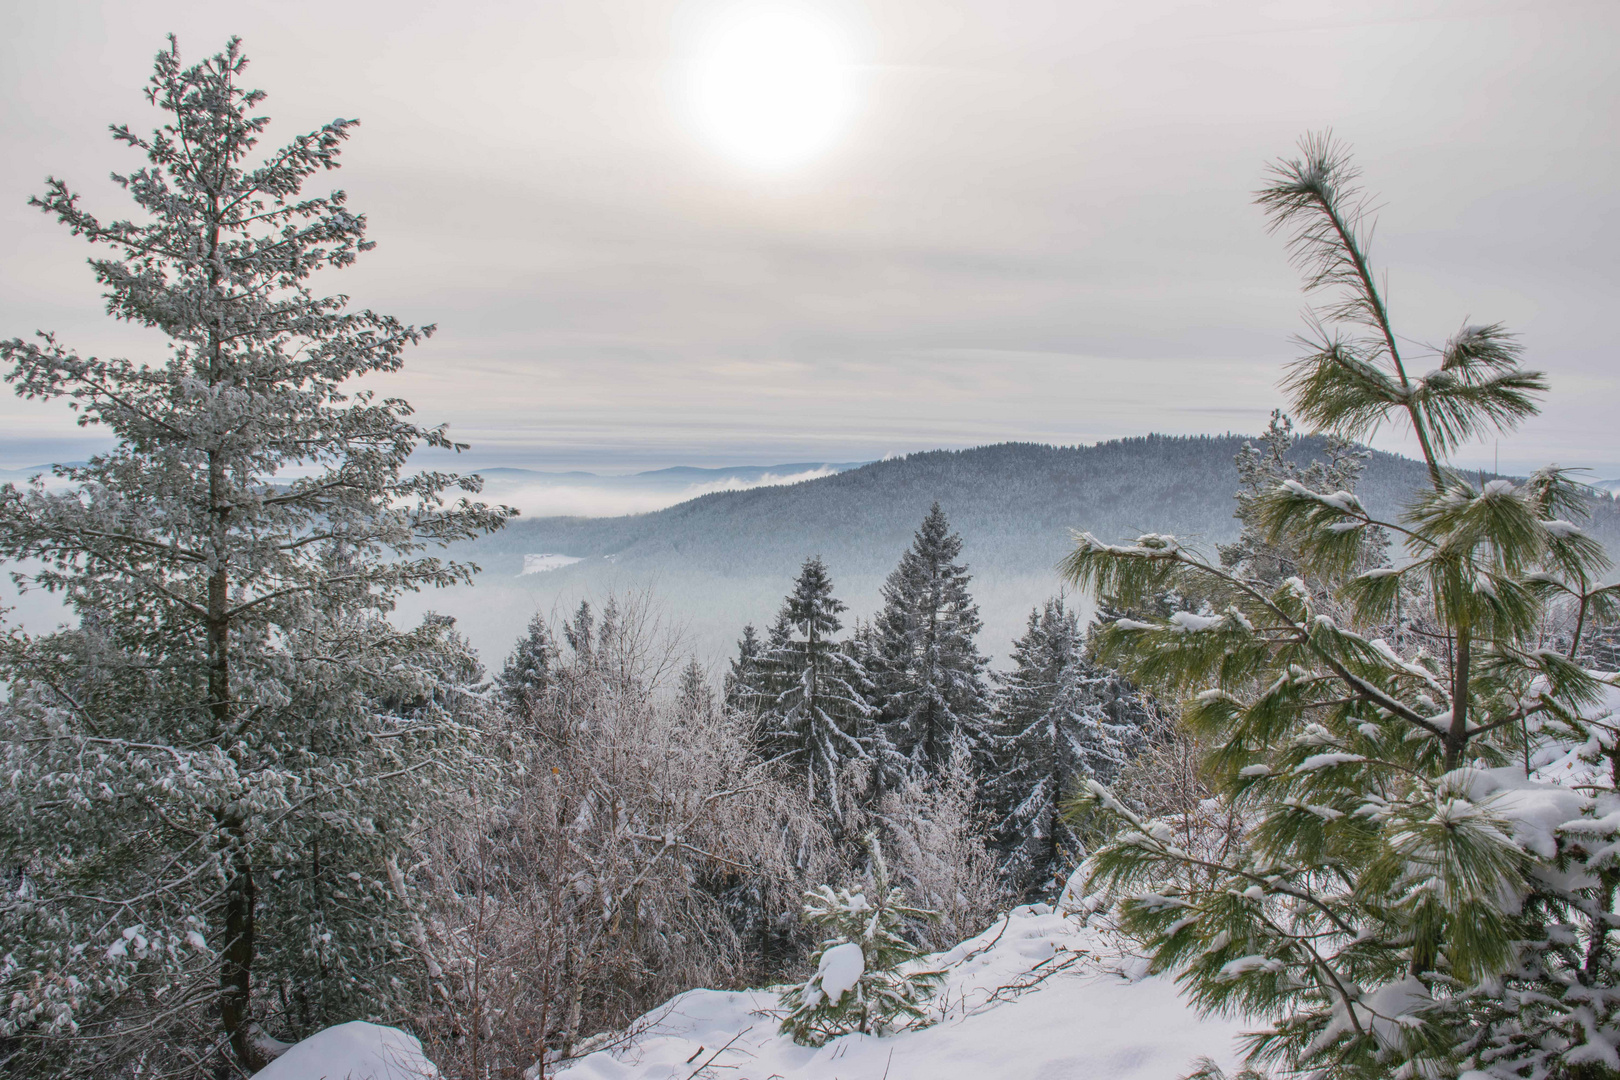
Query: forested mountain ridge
point(727, 558)
point(1014, 503)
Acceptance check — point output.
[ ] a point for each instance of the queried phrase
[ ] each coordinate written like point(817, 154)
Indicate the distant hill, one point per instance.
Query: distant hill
point(725, 559)
point(1014, 503)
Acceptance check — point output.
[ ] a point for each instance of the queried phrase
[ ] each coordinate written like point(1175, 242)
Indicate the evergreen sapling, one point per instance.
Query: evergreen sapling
point(865, 978)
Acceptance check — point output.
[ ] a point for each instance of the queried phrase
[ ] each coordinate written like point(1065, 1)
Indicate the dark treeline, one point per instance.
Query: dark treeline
point(1015, 503)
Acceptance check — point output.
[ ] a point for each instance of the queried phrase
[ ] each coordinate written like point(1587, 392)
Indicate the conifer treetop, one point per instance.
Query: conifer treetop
point(1352, 384)
point(930, 674)
point(246, 427)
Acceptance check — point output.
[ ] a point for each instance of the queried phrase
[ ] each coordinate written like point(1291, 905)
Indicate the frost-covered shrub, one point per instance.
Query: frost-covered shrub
point(638, 848)
point(866, 978)
point(936, 834)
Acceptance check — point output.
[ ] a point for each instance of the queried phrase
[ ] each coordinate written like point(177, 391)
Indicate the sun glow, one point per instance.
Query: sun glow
point(772, 88)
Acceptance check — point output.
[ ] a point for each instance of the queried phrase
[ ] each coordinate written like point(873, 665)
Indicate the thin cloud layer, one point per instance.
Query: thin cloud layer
point(1036, 224)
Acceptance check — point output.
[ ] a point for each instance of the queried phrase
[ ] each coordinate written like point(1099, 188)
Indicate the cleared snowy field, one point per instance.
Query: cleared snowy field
point(540, 564)
point(1035, 997)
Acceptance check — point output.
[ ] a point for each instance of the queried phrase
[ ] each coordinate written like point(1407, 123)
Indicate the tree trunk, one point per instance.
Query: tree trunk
point(1457, 736)
point(236, 966)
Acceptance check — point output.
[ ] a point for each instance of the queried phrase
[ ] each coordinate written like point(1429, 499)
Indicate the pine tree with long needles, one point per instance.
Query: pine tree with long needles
point(1401, 898)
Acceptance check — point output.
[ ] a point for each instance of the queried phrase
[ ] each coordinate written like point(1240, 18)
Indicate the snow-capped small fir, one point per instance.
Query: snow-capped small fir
point(865, 979)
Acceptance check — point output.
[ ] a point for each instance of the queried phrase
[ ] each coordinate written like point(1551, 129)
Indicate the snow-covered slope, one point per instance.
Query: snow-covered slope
point(1038, 996)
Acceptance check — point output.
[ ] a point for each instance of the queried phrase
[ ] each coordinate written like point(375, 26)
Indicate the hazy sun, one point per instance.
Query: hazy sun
point(772, 88)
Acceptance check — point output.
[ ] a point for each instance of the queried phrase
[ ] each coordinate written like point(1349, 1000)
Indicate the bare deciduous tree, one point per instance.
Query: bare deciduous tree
point(598, 886)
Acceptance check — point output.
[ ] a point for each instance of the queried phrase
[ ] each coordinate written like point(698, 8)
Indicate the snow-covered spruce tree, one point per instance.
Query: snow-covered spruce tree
point(862, 981)
point(1059, 720)
point(693, 695)
point(874, 732)
point(1401, 899)
point(528, 672)
point(1032, 772)
point(814, 719)
point(743, 678)
point(213, 780)
point(929, 684)
point(757, 678)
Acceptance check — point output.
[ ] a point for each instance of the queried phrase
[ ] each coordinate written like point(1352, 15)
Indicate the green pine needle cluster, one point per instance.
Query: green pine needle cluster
point(1405, 894)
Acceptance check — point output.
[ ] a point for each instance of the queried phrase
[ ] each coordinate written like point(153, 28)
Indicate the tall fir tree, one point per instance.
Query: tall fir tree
point(815, 717)
point(1059, 720)
point(888, 760)
point(929, 685)
point(694, 697)
point(743, 686)
point(214, 779)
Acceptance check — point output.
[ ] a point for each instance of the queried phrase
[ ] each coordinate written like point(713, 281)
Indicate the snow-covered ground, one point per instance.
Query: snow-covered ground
point(353, 1051)
point(539, 564)
point(1041, 995)
point(1038, 996)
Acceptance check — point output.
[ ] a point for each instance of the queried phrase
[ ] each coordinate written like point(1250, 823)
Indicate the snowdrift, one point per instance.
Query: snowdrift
point(353, 1051)
point(1038, 996)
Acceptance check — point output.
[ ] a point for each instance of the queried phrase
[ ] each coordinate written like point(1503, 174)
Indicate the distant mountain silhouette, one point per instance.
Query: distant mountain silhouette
point(1013, 503)
point(725, 559)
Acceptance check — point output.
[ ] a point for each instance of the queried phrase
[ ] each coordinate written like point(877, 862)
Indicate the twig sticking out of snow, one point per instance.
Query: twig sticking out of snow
point(1028, 981)
point(709, 1061)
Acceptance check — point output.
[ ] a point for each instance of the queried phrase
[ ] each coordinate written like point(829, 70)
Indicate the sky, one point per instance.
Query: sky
point(1028, 220)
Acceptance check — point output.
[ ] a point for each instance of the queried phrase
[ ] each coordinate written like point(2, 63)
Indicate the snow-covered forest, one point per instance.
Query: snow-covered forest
point(1326, 791)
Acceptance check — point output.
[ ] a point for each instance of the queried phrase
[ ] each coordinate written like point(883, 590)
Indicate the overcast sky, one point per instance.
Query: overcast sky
point(1035, 224)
